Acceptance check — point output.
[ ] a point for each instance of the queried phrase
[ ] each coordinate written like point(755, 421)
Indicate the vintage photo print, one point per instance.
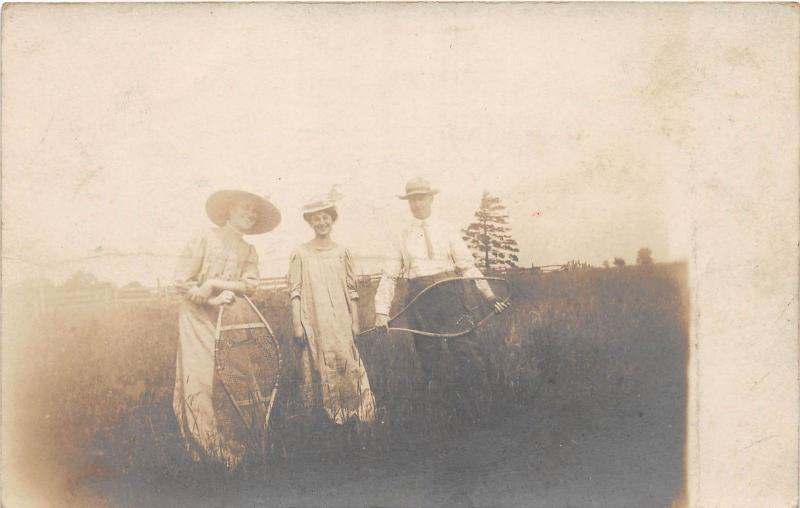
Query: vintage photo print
point(399, 255)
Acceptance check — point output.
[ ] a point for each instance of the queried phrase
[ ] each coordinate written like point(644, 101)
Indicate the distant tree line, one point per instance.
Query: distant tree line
point(644, 257)
point(78, 281)
point(489, 238)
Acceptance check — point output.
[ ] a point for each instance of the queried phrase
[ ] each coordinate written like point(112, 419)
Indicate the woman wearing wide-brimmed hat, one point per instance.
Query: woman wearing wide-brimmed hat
point(215, 265)
point(324, 301)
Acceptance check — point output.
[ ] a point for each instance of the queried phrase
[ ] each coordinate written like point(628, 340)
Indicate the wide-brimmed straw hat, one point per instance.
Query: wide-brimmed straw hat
point(417, 186)
point(220, 202)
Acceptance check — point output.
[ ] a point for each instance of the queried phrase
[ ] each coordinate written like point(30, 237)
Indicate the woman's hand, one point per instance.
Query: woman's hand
point(224, 298)
point(193, 294)
point(204, 291)
point(299, 334)
point(355, 328)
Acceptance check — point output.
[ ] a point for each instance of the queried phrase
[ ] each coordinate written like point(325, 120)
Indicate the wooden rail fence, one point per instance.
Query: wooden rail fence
point(44, 299)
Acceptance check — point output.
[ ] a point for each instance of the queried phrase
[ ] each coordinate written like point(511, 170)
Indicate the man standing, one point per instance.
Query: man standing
point(428, 251)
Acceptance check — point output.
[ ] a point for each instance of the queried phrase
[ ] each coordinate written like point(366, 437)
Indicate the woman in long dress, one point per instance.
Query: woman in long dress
point(324, 300)
point(215, 265)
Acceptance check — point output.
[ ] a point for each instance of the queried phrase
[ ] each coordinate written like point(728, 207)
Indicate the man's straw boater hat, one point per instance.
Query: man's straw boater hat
point(417, 186)
point(220, 202)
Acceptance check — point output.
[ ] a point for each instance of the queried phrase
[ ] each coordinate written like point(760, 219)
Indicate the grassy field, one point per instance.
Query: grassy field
point(581, 352)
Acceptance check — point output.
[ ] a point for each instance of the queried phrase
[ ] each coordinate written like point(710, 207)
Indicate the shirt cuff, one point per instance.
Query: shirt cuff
point(489, 295)
point(381, 308)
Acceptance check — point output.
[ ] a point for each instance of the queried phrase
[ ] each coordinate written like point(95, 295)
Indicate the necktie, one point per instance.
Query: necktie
point(427, 236)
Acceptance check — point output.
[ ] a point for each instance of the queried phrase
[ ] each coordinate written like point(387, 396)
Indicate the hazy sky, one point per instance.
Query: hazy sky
point(120, 120)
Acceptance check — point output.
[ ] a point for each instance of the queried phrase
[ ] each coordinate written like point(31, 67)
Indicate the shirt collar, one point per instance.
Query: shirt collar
point(418, 223)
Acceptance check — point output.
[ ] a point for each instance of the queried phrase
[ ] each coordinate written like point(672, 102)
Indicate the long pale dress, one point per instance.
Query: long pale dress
point(213, 254)
point(324, 281)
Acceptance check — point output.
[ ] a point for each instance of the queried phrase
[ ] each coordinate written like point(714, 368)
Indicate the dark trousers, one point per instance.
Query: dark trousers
point(437, 310)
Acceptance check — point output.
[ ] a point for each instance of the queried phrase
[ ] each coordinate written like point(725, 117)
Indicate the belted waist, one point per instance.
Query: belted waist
point(417, 284)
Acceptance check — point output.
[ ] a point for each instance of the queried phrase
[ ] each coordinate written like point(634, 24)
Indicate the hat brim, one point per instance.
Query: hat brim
point(432, 192)
point(318, 208)
point(218, 204)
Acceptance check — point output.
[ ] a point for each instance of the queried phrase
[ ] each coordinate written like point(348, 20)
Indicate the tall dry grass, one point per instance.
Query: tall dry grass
point(98, 382)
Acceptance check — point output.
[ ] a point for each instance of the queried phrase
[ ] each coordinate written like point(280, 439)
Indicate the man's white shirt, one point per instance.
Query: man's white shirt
point(409, 258)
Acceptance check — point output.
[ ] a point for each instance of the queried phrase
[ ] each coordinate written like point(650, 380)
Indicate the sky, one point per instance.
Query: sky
point(119, 121)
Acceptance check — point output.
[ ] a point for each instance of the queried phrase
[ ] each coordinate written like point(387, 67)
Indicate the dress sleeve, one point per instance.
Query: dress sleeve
point(295, 275)
point(190, 262)
point(352, 288)
point(250, 273)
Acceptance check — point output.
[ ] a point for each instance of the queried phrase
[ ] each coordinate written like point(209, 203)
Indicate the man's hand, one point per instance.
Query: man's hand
point(500, 306)
point(382, 322)
point(299, 335)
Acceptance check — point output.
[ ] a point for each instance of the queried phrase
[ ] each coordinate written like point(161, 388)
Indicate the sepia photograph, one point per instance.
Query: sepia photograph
point(399, 255)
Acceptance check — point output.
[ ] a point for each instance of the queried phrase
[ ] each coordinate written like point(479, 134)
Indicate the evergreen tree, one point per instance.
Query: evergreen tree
point(489, 236)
